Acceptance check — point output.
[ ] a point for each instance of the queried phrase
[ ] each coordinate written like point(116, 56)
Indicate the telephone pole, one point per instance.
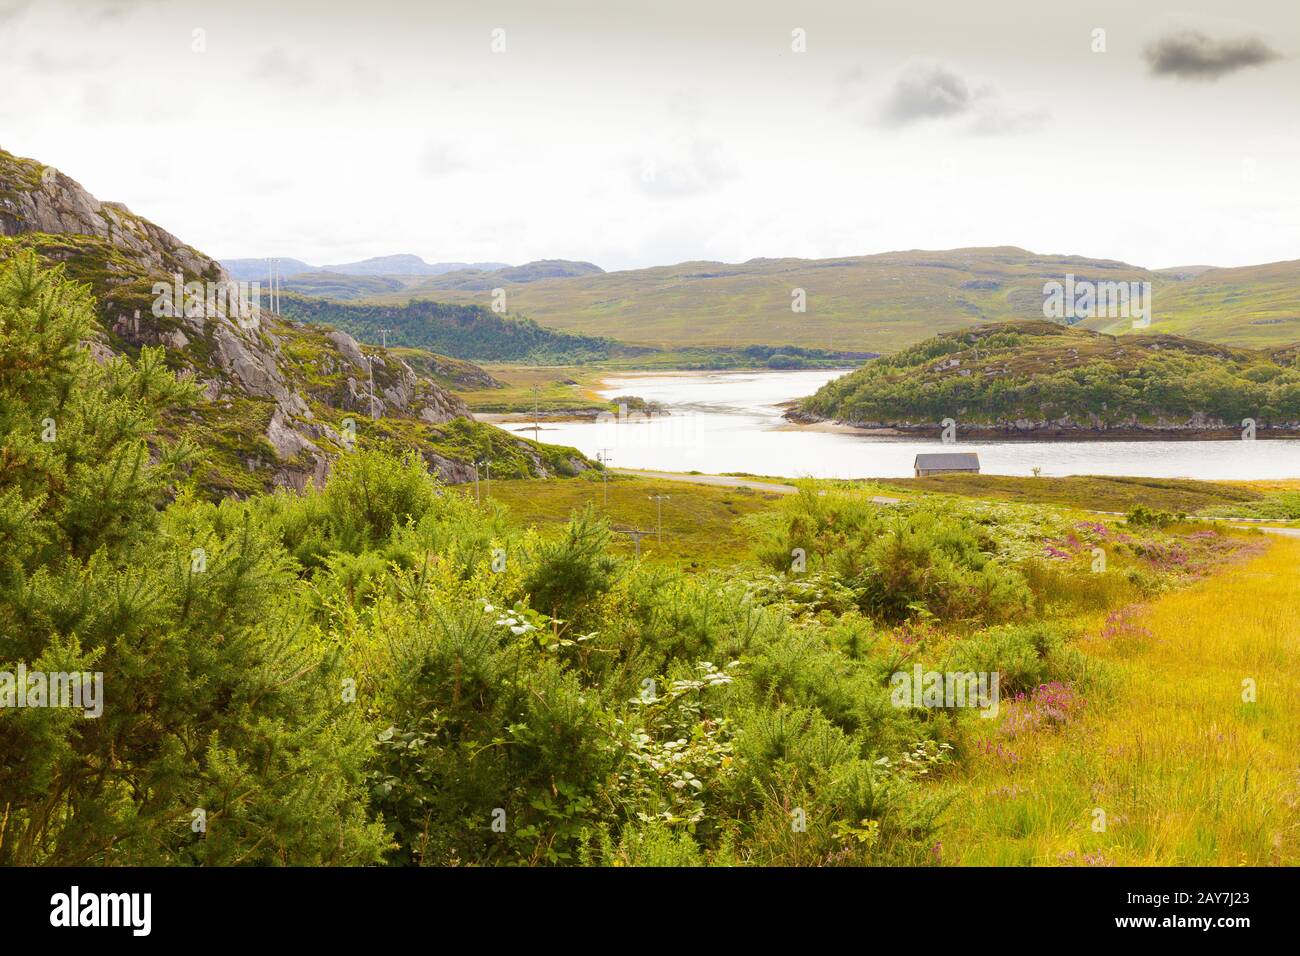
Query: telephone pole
point(602, 456)
point(659, 507)
point(273, 281)
point(487, 466)
point(536, 420)
point(370, 364)
point(636, 536)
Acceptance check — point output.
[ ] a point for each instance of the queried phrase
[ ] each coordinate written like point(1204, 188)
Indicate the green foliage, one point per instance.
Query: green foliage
point(1140, 516)
point(1024, 655)
point(462, 331)
point(1283, 506)
point(902, 562)
point(369, 494)
point(998, 375)
point(567, 574)
point(218, 708)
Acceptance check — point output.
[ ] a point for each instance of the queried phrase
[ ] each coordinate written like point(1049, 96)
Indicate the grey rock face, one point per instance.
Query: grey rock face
point(349, 349)
point(57, 204)
point(254, 369)
point(287, 442)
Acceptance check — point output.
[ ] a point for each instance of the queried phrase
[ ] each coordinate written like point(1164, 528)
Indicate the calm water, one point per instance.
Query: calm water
point(729, 421)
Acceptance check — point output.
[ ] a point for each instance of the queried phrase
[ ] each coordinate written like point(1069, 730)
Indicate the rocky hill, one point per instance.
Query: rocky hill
point(281, 399)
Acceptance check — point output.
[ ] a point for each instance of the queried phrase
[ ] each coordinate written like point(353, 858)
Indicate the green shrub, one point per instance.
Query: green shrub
point(1024, 655)
point(568, 573)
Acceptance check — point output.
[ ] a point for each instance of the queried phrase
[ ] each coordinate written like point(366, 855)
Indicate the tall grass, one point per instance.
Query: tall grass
point(1184, 770)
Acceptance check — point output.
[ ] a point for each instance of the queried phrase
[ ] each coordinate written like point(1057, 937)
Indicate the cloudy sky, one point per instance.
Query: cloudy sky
point(643, 133)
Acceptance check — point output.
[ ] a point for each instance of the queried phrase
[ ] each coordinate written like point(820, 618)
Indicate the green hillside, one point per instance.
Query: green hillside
point(335, 285)
point(461, 330)
point(1253, 305)
point(1042, 378)
point(881, 302)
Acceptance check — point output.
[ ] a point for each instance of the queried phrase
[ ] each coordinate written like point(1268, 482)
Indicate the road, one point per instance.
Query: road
point(728, 481)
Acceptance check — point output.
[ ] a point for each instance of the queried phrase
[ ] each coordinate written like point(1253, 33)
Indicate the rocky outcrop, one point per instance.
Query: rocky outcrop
point(56, 204)
point(348, 348)
point(253, 368)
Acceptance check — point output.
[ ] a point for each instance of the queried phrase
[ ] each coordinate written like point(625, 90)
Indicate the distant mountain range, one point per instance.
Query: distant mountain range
point(403, 274)
point(403, 264)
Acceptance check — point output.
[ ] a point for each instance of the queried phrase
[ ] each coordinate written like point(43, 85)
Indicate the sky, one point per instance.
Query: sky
point(634, 134)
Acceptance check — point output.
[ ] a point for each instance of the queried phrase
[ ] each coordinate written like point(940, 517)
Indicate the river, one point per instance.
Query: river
point(732, 422)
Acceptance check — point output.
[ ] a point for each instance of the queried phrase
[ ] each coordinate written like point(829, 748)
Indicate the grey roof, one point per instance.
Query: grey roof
point(966, 459)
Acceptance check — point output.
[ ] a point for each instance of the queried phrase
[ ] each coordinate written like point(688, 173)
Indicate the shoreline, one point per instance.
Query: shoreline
point(795, 421)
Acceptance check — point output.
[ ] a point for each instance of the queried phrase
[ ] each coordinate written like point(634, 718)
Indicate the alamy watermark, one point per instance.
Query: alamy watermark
point(1074, 300)
point(133, 911)
point(922, 688)
point(237, 300)
point(75, 690)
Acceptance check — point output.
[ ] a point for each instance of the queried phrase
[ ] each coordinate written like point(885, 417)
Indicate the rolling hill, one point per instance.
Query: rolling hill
point(1252, 305)
point(879, 303)
point(404, 276)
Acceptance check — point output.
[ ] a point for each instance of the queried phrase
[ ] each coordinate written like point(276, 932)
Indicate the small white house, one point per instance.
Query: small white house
point(945, 463)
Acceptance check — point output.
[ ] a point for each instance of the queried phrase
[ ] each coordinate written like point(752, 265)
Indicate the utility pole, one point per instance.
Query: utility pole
point(383, 335)
point(478, 497)
point(636, 536)
point(659, 507)
point(602, 456)
point(487, 466)
point(273, 281)
point(370, 364)
point(536, 421)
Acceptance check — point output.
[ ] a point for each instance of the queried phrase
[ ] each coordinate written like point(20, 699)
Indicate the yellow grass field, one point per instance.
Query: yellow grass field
point(1184, 770)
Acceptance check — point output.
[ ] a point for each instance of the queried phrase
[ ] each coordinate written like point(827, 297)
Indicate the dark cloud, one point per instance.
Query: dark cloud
point(927, 91)
point(1189, 55)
